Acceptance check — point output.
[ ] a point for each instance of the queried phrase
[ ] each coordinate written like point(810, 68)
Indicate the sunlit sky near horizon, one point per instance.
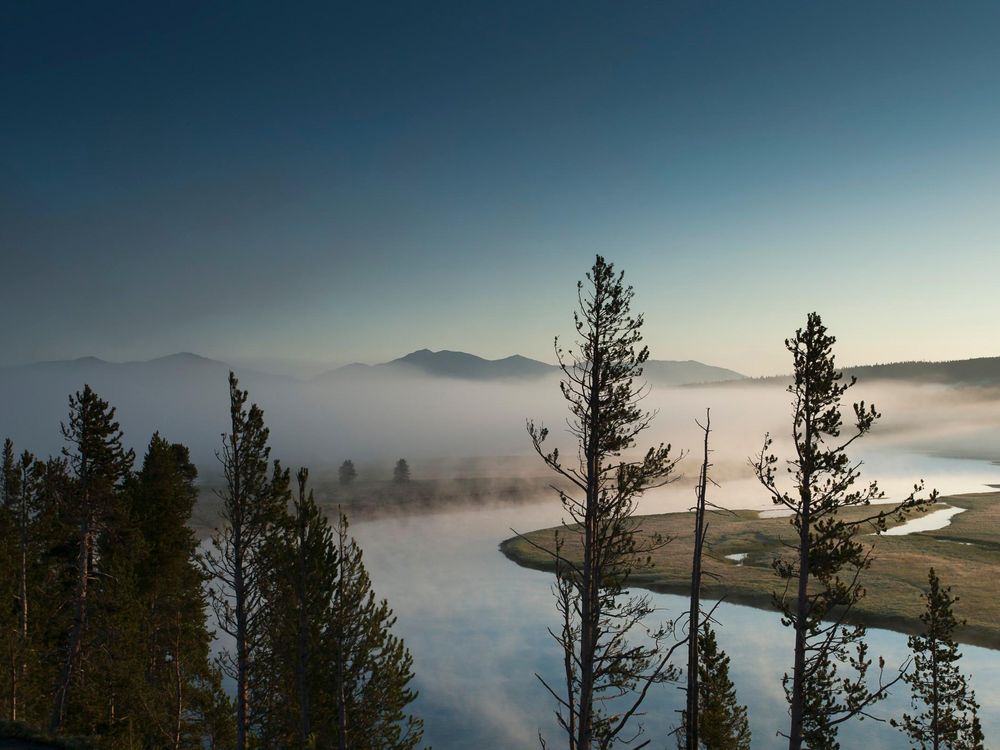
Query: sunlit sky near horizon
point(327, 182)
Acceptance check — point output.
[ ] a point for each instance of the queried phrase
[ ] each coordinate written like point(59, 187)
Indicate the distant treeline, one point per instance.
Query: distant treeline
point(982, 372)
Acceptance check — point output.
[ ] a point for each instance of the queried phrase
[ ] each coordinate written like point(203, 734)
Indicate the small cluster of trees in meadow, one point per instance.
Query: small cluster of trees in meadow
point(347, 472)
point(833, 679)
point(109, 601)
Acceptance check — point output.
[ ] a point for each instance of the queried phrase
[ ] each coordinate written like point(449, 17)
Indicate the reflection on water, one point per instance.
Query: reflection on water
point(477, 626)
point(930, 522)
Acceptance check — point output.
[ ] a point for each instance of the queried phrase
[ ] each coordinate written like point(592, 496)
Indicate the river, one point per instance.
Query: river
point(476, 624)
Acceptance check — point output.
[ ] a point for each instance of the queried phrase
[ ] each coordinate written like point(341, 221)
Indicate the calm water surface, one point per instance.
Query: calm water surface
point(476, 624)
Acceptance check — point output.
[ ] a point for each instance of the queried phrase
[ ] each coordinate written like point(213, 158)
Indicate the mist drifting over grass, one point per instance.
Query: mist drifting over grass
point(452, 427)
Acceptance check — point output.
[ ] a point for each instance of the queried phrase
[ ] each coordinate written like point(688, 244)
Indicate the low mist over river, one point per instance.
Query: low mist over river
point(374, 417)
point(476, 624)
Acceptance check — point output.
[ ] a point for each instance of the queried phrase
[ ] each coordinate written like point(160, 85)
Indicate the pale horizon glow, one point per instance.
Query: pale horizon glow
point(351, 183)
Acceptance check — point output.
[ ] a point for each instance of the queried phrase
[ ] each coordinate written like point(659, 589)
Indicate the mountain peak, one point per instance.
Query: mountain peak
point(453, 364)
point(184, 357)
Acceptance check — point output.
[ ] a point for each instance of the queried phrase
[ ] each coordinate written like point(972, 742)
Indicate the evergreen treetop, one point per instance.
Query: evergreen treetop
point(946, 715)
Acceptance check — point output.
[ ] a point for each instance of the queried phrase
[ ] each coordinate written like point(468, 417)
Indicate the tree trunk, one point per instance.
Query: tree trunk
point(589, 596)
point(802, 594)
point(341, 694)
point(242, 656)
point(76, 633)
point(302, 661)
point(21, 667)
point(935, 687)
point(694, 615)
point(798, 671)
point(179, 691)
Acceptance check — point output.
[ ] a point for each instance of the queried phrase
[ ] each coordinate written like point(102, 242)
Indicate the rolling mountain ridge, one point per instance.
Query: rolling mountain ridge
point(464, 366)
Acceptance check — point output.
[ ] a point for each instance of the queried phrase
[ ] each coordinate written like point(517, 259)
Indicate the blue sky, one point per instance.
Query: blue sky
point(334, 182)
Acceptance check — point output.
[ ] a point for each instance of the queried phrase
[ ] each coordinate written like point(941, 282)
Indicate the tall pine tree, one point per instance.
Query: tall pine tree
point(10, 626)
point(180, 686)
point(947, 717)
point(722, 722)
point(22, 549)
point(606, 676)
point(822, 577)
point(372, 667)
point(252, 502)
point(100, 466)
point(336, 676)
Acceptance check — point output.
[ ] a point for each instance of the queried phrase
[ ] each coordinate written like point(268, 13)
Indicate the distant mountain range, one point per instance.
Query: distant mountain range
point(180, 362)
point(357, 410)
point(464, 366)
point(447, 364)
point(364, 407)
point(982, 371)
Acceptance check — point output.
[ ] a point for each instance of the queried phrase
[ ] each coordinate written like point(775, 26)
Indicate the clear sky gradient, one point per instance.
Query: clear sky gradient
point(340, 182)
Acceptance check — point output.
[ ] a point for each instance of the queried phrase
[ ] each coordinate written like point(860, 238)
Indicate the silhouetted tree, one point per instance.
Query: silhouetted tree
point(336, 676)
point(948, 718)
point(180, 686)
point(252, 502)
point(26, 510)
point(719, 722)
point(373, 667)
point(597, 609)
point(106, 635)
point(12, 573)
point(51, 583)
point(823, 577)
point(691, 721)
point(401, 472)
point(347, 473)
point(99, 467)
point(722, 722)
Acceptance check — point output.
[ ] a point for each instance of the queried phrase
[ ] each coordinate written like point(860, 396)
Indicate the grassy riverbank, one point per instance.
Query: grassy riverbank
point(965, 554)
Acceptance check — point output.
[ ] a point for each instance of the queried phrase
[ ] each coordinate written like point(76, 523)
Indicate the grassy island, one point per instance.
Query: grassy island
point(965, 554)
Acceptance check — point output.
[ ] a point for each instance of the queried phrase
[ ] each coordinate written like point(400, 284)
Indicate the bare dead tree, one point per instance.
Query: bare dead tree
point(694, 612)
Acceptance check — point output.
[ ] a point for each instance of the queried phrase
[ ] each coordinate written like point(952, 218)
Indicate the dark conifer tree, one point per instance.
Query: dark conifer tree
point(99, 466)
point(598, 611)
point(109, 704)
point(180, 685)
point(722, 721)
point(947, 717)
point(22, 510)
point(372, 668)
point(52, 583)
point(336, 676)
point(252, 502)
point(822, 579)
point(347, 473)
point(401, 472)
point(302, 559)
point(10, 636)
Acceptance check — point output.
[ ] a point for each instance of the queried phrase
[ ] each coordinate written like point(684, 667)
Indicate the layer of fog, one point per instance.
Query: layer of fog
point(449, 427)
